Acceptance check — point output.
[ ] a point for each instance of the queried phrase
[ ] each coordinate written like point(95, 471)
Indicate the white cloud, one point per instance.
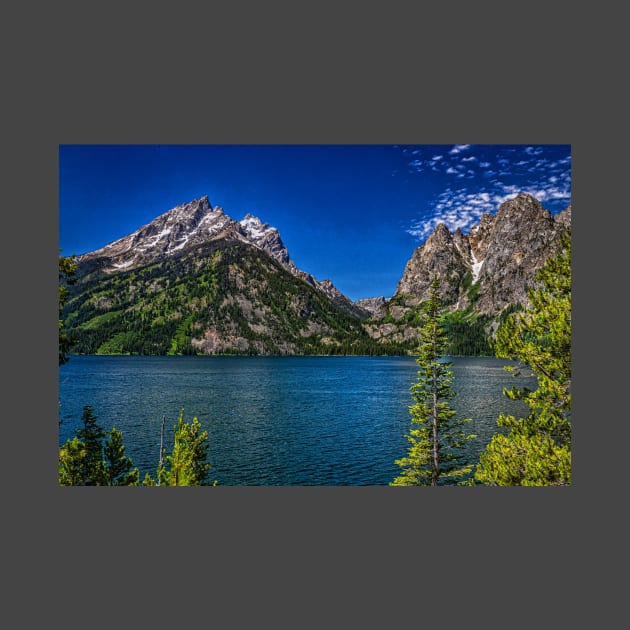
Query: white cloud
point(462, 208)
point(502, 177)
point(458, 148)
point(533, 151)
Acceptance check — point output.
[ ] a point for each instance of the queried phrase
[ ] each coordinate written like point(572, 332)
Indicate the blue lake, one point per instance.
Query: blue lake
point(275, 421)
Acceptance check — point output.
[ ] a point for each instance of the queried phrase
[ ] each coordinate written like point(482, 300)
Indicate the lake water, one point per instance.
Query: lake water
point(278, 420)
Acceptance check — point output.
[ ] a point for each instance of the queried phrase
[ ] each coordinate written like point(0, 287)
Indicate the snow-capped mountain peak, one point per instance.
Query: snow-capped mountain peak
point(265, 237)
point(192, 224)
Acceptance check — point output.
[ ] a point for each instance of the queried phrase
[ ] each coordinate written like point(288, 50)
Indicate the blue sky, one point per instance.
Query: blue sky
point(351, 213)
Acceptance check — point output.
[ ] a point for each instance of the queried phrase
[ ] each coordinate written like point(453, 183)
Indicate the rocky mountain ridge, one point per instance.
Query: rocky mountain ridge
point(481, 273)
point(195, 280)
point(501, 254)
point(195, 223)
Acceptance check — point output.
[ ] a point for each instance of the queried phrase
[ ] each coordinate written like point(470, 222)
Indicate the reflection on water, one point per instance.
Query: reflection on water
point(278, 420)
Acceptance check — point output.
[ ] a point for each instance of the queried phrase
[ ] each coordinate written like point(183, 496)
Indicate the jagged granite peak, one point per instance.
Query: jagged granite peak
point(478, 236)
point(266, 238)
point(523, 235)
point(441, 254)
point(192, 224)
point(481, 272)
point(502, 252)
point(186, 225)
point(183, 226)
point(564, 218)
point(462, 243)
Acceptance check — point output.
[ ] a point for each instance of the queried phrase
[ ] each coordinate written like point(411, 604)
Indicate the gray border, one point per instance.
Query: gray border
point(372, 76)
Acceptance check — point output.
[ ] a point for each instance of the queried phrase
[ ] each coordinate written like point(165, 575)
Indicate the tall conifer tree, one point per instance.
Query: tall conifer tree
point(437, 439)
point(536, 450)
point(91, 435)
point(119, 470)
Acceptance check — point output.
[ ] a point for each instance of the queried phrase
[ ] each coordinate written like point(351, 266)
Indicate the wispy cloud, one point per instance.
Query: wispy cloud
point(533, 150)
point(461, 208)
point(458, 148)
point(504, 176)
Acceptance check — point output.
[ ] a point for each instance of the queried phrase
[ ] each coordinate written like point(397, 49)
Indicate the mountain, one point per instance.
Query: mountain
point(195, 281)
point(483, 274)
point(195, 223)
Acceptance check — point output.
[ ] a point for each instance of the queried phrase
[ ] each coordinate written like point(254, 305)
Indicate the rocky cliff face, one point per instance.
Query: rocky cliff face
point(500, 255)
point(518, 241)
point(481, 273)
point(372, 305)
point(441, 254)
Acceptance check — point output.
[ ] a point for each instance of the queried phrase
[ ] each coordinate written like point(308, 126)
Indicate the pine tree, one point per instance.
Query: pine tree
point(91, 435)
point(119, 470)
point(437, 440)
point(187, 464)
point(72, 463)
point(85, 461)
point(536, 451)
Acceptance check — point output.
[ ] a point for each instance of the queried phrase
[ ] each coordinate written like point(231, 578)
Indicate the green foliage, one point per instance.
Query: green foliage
point(85, 461)
point(72, 463)
point(187, 464)
point(67, 271)
point(88, 460)
point(91, 436)
point(148, 480)
point(437, 439)
point(524, 459)
point(537, 450)
point(161, 308)
point(467, 280)
point(98, 320)
point(466, 334)
point(473, 292)
point(119, 470)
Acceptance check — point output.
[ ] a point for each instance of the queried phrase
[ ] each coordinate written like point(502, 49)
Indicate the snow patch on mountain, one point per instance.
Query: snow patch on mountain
point(254, 227)
point(476, 268)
